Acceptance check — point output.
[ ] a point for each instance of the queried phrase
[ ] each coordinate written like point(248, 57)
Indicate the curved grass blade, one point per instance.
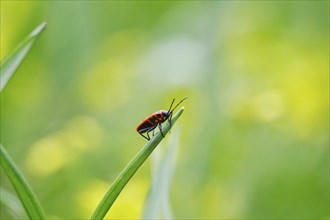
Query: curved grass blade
point(10, 64)
point(27, 197)
point(123, 178)
point(157, 205)
point(11, 204)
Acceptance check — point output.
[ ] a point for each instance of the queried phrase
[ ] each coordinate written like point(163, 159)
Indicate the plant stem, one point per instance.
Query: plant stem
point(123, 178)
point(23, 190)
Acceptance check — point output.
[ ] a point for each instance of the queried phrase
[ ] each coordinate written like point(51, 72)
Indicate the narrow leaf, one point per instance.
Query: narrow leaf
point(23, 190)
point(123, 178)
point(157, 205)
point(10, 64)
point(12, 204)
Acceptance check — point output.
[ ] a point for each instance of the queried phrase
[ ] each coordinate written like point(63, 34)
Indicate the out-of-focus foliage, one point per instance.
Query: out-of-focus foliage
point(254, 141)
point(32, 207)
point(10, 64)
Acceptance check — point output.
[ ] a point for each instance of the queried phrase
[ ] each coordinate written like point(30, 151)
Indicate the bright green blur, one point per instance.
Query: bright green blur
point(254, 137)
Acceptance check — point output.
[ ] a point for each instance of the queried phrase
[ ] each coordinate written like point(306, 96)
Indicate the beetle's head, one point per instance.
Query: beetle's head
point(166, 114)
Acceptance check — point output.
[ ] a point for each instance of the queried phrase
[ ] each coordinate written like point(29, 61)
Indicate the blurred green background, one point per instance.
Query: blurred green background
point(254, 137)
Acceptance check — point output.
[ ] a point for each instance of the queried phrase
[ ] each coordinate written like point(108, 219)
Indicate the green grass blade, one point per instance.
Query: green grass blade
point(10, 64)
point(123, 178)
point(24, 192)
point(157, 205)
point(11, 204)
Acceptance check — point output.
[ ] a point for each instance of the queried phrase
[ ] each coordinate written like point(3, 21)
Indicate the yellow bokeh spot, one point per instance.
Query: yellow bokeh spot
point(130, 202)
point(53, 152)
point(47, 156)
point(127, 206)
point(268, 105)
point(82, 132)
point(90, 196)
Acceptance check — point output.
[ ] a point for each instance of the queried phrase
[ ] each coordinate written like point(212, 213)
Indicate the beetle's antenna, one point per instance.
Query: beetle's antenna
point(178, 103)
point(171, 105)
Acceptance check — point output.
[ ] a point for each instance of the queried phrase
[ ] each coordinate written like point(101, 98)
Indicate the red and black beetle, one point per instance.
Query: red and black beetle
point(156, 119)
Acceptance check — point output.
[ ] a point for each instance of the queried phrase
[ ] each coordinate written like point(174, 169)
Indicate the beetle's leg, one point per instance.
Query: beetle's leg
point(161, 130)
point(153, 132)
point(151, 129)
point(148, 138)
